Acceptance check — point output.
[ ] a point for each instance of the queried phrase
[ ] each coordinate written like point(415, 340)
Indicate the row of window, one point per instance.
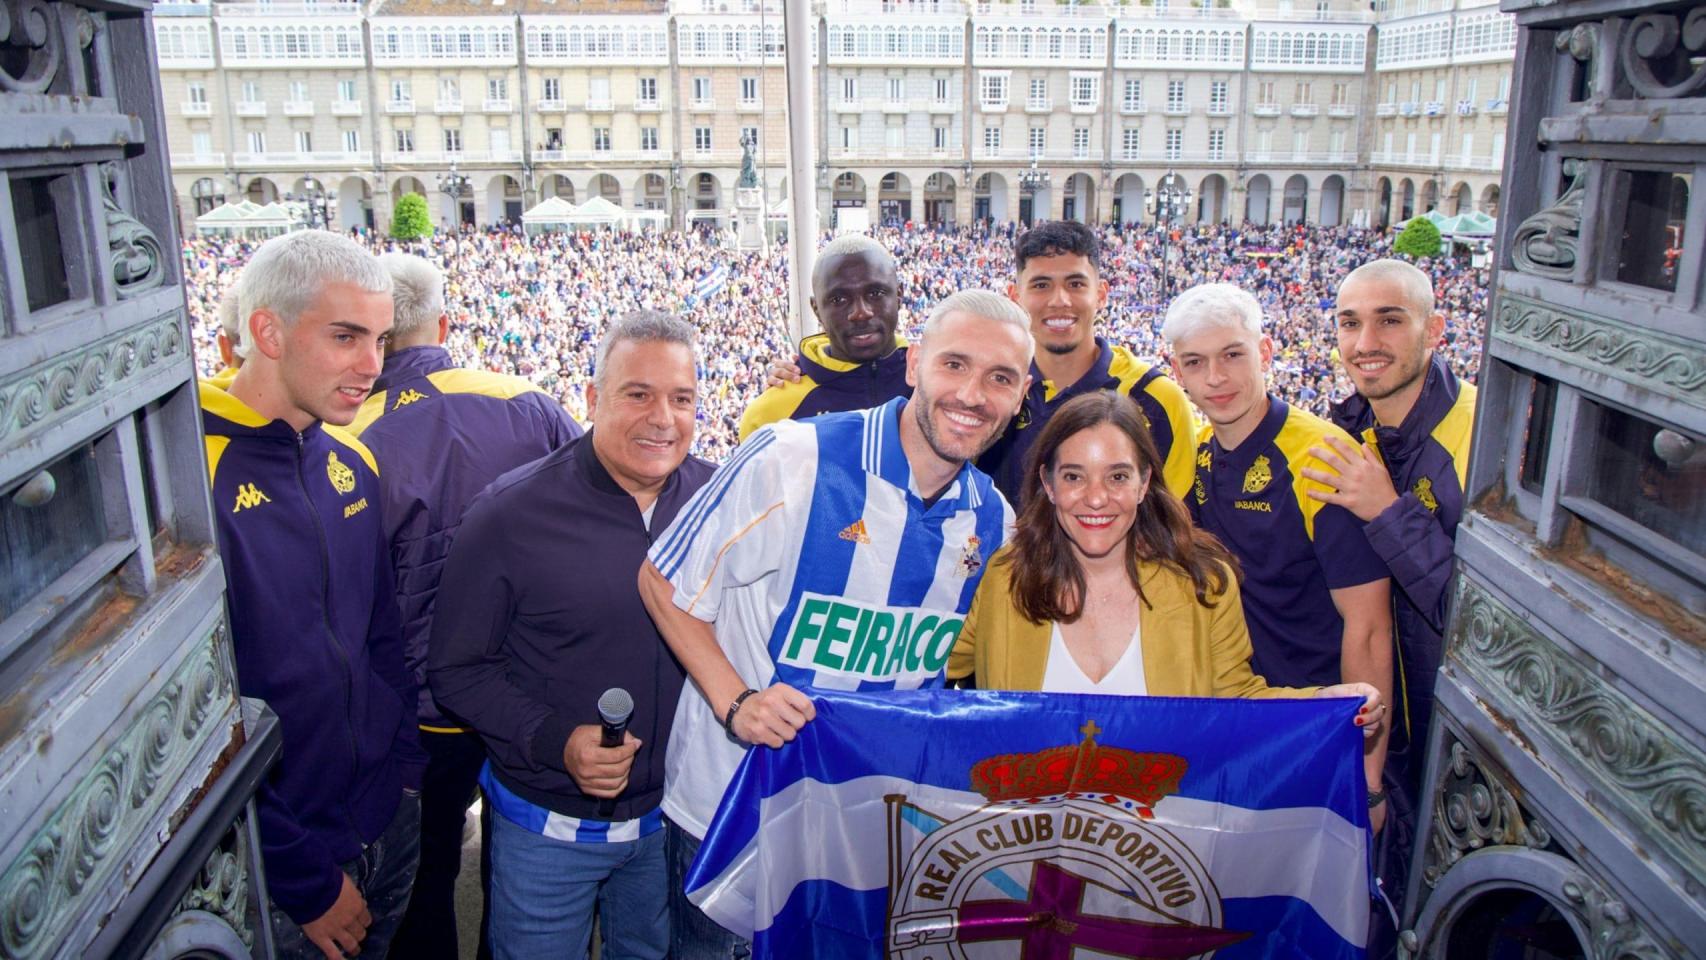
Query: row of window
point(1088, 43)
point(730, 41)
point(1181, 46)
point(464, 42)
point(598, 42)
point(1085, 89)
point(1442, 40)
point(1282, 49)
point(192, 41)
point(1470, 93)
point(291, 43)
point(897, 41)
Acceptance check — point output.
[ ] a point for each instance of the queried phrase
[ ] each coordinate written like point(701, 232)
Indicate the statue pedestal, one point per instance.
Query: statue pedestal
point(749, 218)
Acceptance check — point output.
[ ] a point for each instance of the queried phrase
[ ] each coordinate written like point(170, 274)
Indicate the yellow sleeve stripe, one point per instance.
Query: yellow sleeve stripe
point(482, 382)
point(343, 437)
point(774, 405)
point(1454, 429)
point(371, 410)
point(1299, 433)
point(215, 449)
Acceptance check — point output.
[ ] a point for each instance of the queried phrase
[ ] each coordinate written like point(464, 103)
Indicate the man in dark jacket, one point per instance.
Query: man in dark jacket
point(1414, 418)
point(314, 619)
point(537, 616)
point(857, 361)
point(440, 434)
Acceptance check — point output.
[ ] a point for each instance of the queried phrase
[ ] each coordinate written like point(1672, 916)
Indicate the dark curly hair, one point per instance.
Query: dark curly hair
point(1053, 238)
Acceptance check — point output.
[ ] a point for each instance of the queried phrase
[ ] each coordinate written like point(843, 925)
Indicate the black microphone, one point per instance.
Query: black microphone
point(614, 709)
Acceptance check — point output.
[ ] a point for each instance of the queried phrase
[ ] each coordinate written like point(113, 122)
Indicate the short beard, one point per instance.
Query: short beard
point(1062, 349)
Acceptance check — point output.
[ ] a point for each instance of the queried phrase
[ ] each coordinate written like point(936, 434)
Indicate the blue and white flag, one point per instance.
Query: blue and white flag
point(711, 284)
point(975, 825)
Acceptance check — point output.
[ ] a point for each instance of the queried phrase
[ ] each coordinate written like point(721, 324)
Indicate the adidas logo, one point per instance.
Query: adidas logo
point(856, 532)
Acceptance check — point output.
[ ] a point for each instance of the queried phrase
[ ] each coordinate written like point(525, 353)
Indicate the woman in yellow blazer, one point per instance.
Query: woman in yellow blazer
point(1106, 587)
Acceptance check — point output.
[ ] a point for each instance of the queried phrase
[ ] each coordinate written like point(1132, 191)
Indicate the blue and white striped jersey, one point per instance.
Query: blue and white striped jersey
point(813, 554)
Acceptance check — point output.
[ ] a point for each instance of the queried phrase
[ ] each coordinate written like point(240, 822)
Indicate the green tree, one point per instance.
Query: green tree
point(409, 221)
point(1420, 238)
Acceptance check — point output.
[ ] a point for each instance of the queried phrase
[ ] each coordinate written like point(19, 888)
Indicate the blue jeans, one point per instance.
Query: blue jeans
point(384, 873)
point(692, 935)
point(543, 892)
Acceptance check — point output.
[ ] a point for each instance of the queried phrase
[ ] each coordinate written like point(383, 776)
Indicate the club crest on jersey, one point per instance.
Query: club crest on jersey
point(1424, 490)
point(1064, 856)
point(1260, 474)
point(342, 477)
point(970, 560)
point(1203, 458)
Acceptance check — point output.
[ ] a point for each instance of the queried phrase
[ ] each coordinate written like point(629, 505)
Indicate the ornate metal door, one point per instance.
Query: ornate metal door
point(1568, 813)
point(126, 762)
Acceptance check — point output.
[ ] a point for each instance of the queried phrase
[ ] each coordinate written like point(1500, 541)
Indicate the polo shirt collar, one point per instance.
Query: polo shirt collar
point(411, 362)
point(1095, 378)
point(881, 454)
point(1259, 439)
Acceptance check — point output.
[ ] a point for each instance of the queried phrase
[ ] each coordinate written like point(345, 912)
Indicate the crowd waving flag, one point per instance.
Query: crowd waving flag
point(974, 825)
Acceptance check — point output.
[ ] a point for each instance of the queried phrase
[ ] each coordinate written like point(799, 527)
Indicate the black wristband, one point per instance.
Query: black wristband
point(1376, 798)
point(729, 718)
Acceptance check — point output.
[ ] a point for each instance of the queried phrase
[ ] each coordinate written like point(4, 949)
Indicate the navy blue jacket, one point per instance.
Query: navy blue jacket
point(1427, 457)
point(539, 613)
point(828, 385)
point(440, 435)
point(316, 632)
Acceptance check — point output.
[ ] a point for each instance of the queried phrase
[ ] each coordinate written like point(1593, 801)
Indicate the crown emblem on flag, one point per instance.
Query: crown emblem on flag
point(1089, 770)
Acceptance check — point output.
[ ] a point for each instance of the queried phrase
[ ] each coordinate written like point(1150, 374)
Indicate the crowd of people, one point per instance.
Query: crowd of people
point(534, 306)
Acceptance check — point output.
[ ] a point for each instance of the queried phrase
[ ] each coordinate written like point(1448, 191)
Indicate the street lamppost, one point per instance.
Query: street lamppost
point(1168, 202)
point(454, 185)
point(314, 193)
point(1032, 180)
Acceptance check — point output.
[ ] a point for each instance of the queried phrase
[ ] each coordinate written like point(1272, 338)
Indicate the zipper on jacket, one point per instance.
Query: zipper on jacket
point(332, 634)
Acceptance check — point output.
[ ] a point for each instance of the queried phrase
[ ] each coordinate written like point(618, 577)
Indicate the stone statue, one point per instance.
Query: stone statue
point(748, 172)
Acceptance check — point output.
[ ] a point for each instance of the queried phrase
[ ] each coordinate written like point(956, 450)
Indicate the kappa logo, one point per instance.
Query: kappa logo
point(407, 397)
point(1425, 492)
point(342, 477)
point(1260, 474)
point(1064, 857)
point(249, 495)
point(855, 532)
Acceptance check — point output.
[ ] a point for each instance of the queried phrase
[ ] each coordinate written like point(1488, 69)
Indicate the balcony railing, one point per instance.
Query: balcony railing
point(346, 108)
point(299, 108)
point(400, 107)
point(943, 106)
point(1130, 108)
point(1079, 106)
point(1265, 109)
point(196, 108)
point(1305, 109)
point(1398, 158)
point(754, 106)
point(496, 106)
point(444, 158)
point(1409, 108)
point(1178, 110)
point(444, 107)
point(600, 105)
point(647, 106)
point(1341, 110)
point(305, 9)
point(1433, 108)
point(1386, 109)
point(1039, 104)
point(323, 158)
point(251, 108)
point(549, 106)
point(992, 106)
point(1466, 108)
point(1498, 108)
point(1219, 110)
point(702, 106)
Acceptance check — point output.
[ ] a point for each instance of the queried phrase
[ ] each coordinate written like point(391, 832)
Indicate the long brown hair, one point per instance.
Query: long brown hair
point(1046, 576)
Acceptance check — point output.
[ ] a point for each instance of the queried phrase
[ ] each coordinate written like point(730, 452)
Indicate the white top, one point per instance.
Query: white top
point(1063, 674)
point(812, 554)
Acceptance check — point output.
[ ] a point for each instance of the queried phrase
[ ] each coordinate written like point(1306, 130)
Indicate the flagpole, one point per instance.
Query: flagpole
point(802, 186)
